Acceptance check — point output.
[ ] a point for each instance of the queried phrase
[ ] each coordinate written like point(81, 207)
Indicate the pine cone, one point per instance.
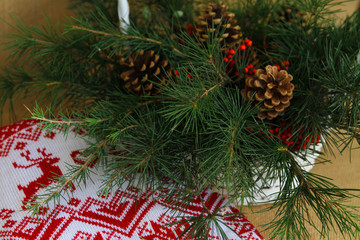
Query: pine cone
point(146, 68)
point(292, 15)
point(271, 87)
point(216, 18)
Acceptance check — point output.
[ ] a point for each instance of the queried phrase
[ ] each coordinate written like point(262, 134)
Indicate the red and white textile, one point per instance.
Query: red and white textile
point(30, 157)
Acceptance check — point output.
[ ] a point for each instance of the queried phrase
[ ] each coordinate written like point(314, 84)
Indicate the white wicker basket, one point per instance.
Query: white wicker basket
point(269, 192)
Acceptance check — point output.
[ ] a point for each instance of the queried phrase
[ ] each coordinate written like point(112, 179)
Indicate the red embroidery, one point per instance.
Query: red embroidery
point(24, 130)
point(160, 232)
point(20, 146)
point(9, 223)
point(120, 215)
point(79, 131)
point(98, 237)
point(82, 236)
point(74, 202)
point(79, 158)
point(6, 213)
point(49, 170)
point(125, 214)
point(50, 135)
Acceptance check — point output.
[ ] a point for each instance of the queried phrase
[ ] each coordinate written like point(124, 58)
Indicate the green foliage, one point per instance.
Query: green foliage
point(199, 132)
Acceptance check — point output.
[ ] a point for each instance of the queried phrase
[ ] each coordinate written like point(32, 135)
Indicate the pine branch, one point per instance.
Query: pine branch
point(125, 37)
point(63, 184)
point(313, 193)
point(51, 121)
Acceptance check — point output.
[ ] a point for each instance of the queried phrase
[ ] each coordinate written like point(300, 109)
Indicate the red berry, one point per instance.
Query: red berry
point(177, 73)
point(242, 47)
point(226, 59)
point(248, 43)
point(231, 51)
point(230, 56)
point(246, 70)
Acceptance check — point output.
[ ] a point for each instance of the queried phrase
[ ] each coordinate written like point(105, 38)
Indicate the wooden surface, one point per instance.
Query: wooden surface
point(345, 173)
point(32, 13)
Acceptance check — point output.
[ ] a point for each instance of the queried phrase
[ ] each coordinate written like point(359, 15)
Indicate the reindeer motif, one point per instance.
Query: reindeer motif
point(46, 162)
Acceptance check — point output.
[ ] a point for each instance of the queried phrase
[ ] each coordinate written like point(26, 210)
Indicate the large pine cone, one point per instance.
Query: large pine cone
point(216, 18)
point(271, 87)
point(146, 68)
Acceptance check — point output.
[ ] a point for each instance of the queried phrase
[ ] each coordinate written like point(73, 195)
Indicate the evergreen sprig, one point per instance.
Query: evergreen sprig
point(199, 132)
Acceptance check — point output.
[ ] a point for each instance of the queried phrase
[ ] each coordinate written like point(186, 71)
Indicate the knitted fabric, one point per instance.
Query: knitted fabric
point(30, 157)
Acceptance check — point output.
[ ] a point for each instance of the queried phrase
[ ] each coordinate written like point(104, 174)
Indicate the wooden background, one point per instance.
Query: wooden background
point(344, 173)
point(32, 12)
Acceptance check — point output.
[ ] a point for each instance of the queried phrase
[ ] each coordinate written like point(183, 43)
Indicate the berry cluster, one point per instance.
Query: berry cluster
point(190, 29)
point(229, 59)
point(284, 65)
point(250, 70)
point(285, 133)
point(294, 144)
point(189, 76)
point(246, 43)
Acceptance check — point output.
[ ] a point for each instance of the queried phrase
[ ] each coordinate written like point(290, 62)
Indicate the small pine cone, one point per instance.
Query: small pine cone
point(144, 69)
point(271, 87)
point(216, 18)
point(292, 15)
